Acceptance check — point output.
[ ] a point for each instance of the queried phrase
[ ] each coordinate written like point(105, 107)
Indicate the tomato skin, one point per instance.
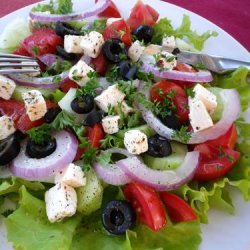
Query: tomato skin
point(100, 64)
point(44, 40)
point(178, 209)
point(147, 205)
point(21, 51)
point(118, 29)
point(110, 11)
point(227, 140)
point(67, 84)
point(153, 12)
point(95, 135)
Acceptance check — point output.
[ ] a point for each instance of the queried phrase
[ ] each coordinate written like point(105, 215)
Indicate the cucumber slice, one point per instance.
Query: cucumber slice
point(172, 161)
point(89, 197)
point(217, 114)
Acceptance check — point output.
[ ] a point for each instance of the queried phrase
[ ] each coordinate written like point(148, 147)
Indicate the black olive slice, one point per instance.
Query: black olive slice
point(63, 29)
point(83, 104)
point(159, 147)
point(51, 114)
point(92, 118)
point(60, 51)
point(144, 33)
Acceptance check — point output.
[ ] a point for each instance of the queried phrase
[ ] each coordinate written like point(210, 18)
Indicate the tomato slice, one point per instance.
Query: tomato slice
point(163, 88)
point(100, 64)
point(110, 11)
point(118, 29)
point(178, 209)
point(153, 12)
point(67, 84)
point(147, 205)
point(95, 135)
point(21, 51)
point(227, 140)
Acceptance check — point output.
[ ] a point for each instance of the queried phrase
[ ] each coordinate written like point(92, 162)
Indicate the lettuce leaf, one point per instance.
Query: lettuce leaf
point(164, 28)
point(29, 229)
point(55, 7)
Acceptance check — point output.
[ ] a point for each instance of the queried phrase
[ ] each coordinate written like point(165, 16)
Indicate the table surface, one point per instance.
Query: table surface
point(232, 15)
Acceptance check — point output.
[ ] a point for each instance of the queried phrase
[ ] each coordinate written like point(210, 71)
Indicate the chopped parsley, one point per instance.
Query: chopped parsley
point(112, 74)
point(98, 25)
point(190, 92)
point(183, 134)
point(112, 141)
point(35, 50)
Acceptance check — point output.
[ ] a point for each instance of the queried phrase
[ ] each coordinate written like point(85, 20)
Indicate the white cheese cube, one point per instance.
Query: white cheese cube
point(35, 104)
point(79, 73)
point(6, 127)
point(152, 49)
point(135, 51)
point(123, 106)
point(206, 96)
point(72, 175)
point(72, 44)
point(61, 202)
point(7, 87)
point(110, 97)
point(166, 60)
point(136, 142)
point(110, 124)
point(92, 44)
point(168, 42)
point(198, 115)
point(112, 20)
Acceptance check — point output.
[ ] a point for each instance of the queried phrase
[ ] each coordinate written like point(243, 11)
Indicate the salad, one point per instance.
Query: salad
point(116, 144)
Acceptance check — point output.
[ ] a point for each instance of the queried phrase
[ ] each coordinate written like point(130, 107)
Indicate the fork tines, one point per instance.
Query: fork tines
point(10, 63)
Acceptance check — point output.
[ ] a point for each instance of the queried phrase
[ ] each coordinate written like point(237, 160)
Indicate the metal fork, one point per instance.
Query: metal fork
point(216, 64)
point(10, 63)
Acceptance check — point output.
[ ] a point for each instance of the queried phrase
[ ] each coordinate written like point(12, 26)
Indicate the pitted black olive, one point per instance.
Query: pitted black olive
point(63, 29)
point(171, 121)
point(144, 33)
point(19, 135)
point(39, 151)
point(60, 51)
point(114, 50)
point(127, 71)
point(9, 149)
point(83, 104)
point(92, 118)
point(51, 114)
point(118, 216)
point(176, 51)
point(159, 147)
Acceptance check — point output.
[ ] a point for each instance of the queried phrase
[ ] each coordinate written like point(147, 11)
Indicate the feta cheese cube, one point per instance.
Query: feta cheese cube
point(168, 42)
point(112, 20)
point(110, 124)
point(79, 73)
point(135, 51)
point(136, 142)
point(152, 49)
point(110, 97)
point(206, 96)
point(198, 115)
point(72, 175)
point(35, 104)
point(166, 60)
point(92, 44)
point(7, 127)
point(7, 87)
point(123, 106)
point(61, 202)
point(72, 44)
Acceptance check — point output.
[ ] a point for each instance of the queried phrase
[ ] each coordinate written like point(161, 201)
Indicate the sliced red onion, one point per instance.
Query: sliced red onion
point(149, 66)
point(161, 180)
point(231, 104)
point(39, 169)
point(50, 59)
point(86, 59)
point(93, 11)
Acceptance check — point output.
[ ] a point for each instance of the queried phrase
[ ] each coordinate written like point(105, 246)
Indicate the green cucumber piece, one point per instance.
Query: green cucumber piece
point(172, 161)
point(89, 197)
point(217, 114)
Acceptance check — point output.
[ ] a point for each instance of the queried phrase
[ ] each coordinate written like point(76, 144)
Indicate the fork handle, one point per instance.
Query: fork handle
point(231, 64)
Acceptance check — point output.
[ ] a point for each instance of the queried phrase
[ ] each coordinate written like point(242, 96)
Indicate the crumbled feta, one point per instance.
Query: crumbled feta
point(136, 142)
point(198, 115)
point(35, 104)
point(61, 202)
point(206, 96)
point(92, 44)
point(72, 44)
point(168, 42)
point(79, 73)
point(166, 60)
point(7, 127)
point(123, 106)
point(110, 124)
point(7, 87)
point(72, 175)
point(112, 20)
point(135, 51)
point(110, 97)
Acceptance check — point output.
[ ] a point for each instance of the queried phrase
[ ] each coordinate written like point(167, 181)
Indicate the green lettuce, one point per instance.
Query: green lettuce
point(55, 7)
point(29, 229)
point(164, 28)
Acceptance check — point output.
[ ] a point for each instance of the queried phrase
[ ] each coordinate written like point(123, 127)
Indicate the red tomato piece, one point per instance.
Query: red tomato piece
point(79, 153)
point(118, 29)
point(95, 135)
point(68, 84)
point(147, 205)
point(42, 41)
point(161, 89)
point(21, 51)
point(24, 123)
point(178, 209)
point(142, 14)
point(110, 11)
point(228, 140)
point(100, 64)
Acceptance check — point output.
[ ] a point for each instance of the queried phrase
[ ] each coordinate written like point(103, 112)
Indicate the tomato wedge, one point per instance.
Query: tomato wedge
point(67, 84)
point(110, 11)
point(95, 135)
point(147, 205)
point(100, 64)
point(178, 209)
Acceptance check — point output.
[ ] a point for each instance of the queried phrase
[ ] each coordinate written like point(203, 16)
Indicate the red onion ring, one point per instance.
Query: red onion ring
point(50, 59)
point(95, 10)
point(38, 169)
point(161, 180)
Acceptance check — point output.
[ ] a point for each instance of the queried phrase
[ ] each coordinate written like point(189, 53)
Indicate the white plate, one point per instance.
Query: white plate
point(223, 231)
